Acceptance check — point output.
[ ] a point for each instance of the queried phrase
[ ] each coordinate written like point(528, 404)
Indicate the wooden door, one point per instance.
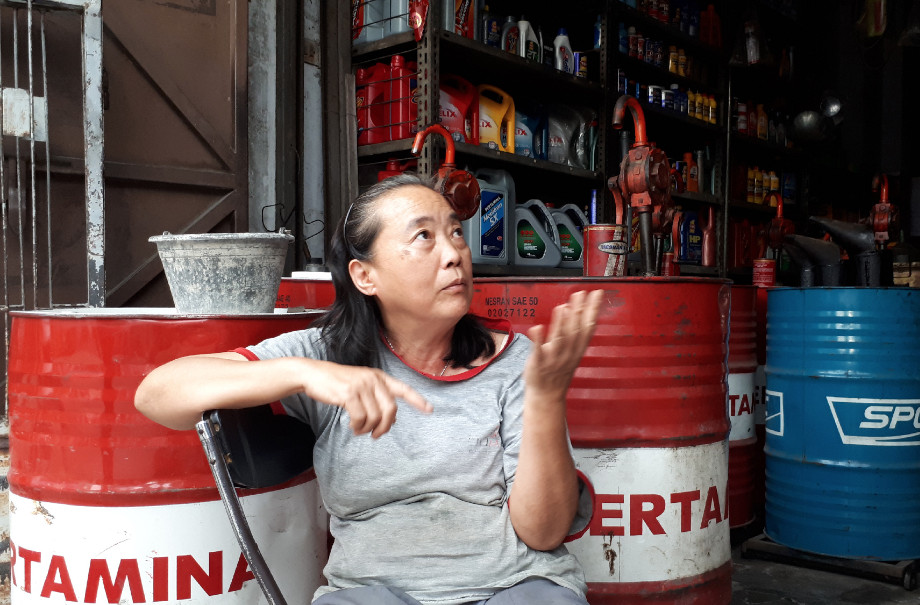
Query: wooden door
point(176, 158)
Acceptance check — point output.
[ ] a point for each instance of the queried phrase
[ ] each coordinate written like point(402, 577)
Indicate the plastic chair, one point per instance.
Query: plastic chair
point(254, 448)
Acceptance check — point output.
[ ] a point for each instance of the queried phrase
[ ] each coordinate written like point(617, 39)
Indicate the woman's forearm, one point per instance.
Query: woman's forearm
point(544, 496)
point(177, 393)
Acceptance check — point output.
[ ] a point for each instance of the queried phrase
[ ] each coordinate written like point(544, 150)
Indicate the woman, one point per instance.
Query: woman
point(468, 497)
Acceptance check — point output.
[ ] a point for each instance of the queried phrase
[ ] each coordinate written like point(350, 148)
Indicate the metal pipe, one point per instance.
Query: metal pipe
point(33, 194)
point(19, 209)
point(93, 140)
point(882, 185)
point(436, 128)
point(659, 253)
point(648, 249)
point(237, 517)
point(619, 112)
point(47, 157)
point(4, 204)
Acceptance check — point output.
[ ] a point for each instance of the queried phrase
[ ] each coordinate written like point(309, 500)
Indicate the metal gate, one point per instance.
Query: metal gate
point(30, 93)
point(172, 88)
point(29, 89)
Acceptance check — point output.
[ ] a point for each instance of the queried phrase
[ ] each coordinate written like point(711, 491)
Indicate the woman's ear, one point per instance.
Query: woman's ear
point(361, 278)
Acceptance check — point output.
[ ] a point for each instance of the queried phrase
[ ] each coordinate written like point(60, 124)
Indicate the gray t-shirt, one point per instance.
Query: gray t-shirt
point(424, 508)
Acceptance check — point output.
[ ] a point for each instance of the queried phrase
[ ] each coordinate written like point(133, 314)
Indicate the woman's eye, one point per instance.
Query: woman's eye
point(458, 232)
point(423, 235)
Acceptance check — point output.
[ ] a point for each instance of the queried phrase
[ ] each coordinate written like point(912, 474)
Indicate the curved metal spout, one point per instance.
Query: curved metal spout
point(436, 128)
point(619, 112)
point(773, 195)
point(779, 226)
point(880, 183)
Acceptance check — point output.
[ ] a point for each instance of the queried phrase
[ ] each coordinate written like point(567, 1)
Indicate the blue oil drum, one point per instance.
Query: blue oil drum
point(843, 421)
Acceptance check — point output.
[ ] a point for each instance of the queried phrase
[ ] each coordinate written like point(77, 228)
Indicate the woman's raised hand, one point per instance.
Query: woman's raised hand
point(367, 394)
point(558, 349)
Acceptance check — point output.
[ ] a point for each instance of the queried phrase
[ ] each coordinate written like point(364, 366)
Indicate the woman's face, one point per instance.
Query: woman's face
point(420, 265)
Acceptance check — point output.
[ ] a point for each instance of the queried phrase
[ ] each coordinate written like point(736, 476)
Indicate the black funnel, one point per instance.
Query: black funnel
point(855, 238)
point(825, 255)
point(868, 267)
point(806, 265)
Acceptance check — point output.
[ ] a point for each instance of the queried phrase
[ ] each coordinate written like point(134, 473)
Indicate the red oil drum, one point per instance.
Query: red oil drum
point(107, 506)
point(648, 420)
point(306, 289)
point(742, 366)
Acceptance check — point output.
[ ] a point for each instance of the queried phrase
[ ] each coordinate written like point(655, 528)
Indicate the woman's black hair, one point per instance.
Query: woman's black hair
point(351, 327)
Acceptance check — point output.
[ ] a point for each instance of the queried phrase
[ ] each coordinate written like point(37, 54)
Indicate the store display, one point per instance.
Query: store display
point(529, 45)
point(536, 236)
point(571, 242)
point(489, 232)
point(403, 103)
point(459, 109)
point(491, 34)
point(565, 61)
point(460, 17)
point(368, 20)
point(373, 96)
point(394, 167)
point(397, 21)
point(531, 134)
point(663, 56)
point(510, 35)
point(496, 118)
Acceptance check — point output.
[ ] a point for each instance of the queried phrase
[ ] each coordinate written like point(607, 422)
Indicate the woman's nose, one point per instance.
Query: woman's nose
point(452, 253)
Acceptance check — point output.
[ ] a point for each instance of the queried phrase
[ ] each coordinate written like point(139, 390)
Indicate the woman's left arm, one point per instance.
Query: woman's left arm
point(544, 495)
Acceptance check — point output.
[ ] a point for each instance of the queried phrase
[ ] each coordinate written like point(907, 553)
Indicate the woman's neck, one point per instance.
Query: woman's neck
point(422, 347)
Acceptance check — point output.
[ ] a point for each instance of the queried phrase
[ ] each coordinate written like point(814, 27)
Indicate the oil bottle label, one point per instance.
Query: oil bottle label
point(492, 223)
point(523, 140)
point(532, 50)
point(452, 119)
point(530, 245)
point(571, 250)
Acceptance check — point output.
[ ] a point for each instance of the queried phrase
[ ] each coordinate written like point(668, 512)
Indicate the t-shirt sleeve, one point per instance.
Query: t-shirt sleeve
point(511, 431)
point(301, 343)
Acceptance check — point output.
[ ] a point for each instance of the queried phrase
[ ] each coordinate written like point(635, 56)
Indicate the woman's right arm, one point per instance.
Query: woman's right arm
point(177, 393)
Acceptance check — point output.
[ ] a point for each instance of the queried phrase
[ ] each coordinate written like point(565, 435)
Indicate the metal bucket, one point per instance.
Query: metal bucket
point(742, 366)
point(306, 289)
point(605, 250)
point(108, 506)
point(843, 421)
point(648, 420)
point(223, 273)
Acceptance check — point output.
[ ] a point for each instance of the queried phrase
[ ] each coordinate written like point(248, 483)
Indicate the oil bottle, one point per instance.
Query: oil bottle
point(489, 232)
point(536, 236)
point(571, 241)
